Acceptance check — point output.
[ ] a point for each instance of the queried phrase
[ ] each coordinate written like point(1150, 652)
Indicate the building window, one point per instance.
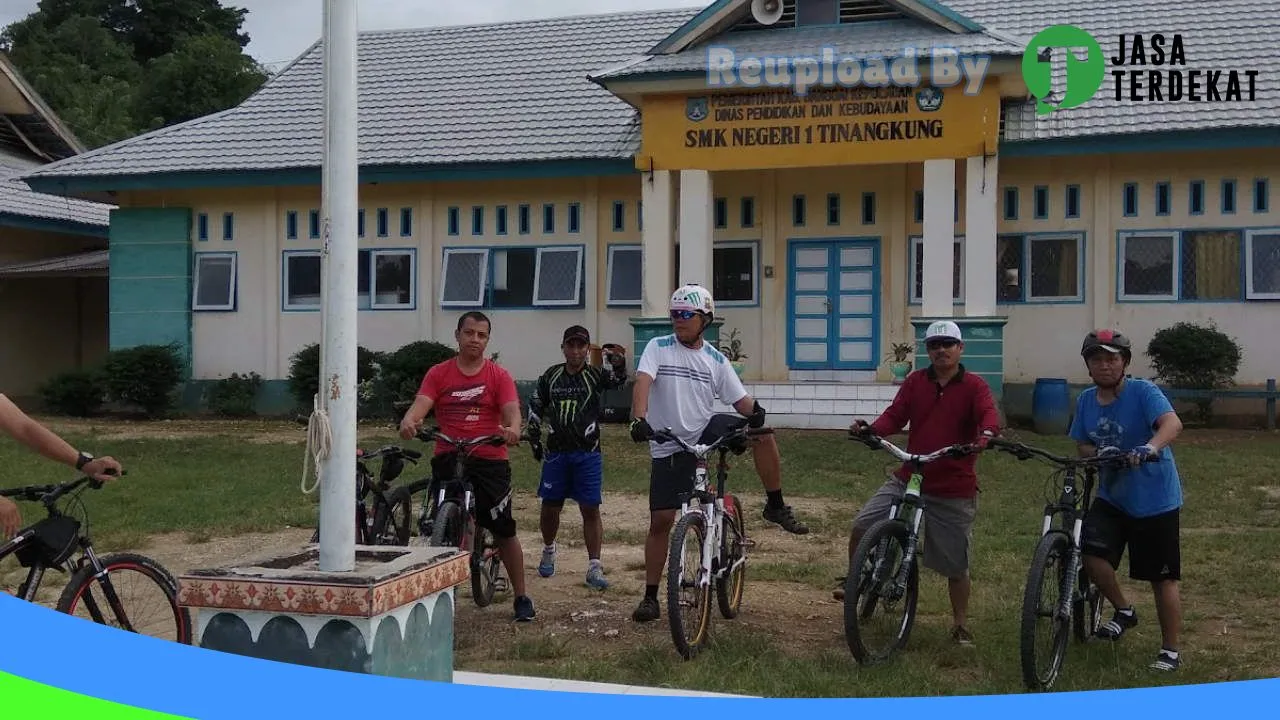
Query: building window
point(1180, 265)
point(382, 222)
point(1130, 199)
point(1073, 202)
point(721, 213)
point(833, 208)
point(406, 222)
point(500, 220)
point(1039, 268)
point(919, 206)
point(291, 225)
point(384, 281)
point(360, 222)
point(733, 273)
point(313, 229)
point(624, 275)
point(916, 280)
point(1162, 198)
point(748, 212)
point(548, 219)
point(214, 286)
point(575, 217)
point(1262, 260)
point(1011, 203)
point(524, 219)
point(797, 211)
point(619, 215)
point(512, 277)
point(1228, 197)
point(868, 208)
point(453, 221)
point(1261, 201)
point(1042, 202)
point(477, 220)
point(1196, 200)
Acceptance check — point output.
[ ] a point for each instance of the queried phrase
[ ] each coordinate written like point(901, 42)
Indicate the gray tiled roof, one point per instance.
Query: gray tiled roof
point(888, 38)
point(519, 91)
point(16, 198)
point(473, 94)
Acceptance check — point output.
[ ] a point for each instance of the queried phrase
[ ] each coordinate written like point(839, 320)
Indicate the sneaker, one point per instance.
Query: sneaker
point(784, 517)
point(547, 567)
point(1120, 621)
point(961, 636)
point(524, 609)
point(595, 577)
point(1166, 661)
point(647, 610)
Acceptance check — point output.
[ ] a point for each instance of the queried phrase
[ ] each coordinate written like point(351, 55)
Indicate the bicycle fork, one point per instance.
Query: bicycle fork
point(1074, 560)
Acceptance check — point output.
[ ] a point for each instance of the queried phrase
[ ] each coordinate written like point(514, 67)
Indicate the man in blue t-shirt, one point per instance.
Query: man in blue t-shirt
point(1136, 507)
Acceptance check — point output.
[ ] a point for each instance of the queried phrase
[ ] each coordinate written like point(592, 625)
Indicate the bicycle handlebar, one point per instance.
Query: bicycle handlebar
point(875, 442)
point(700, 450)
point(1022, 451)
point(432, 434)
point(389, 451)
point(49, 494)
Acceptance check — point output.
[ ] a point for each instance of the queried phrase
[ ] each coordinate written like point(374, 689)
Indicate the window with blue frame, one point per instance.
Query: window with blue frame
point(512, 277)
point(214, 282)
point(1039, 267)
point(624, 274)
point(916, 269)
point(385, 279)
point(1172, 265)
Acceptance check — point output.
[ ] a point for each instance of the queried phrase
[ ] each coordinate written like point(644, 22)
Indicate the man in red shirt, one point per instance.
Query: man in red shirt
point(945, 406)
point(474, 396)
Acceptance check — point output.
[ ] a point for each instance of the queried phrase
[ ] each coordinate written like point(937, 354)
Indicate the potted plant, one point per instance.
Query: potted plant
point(733, 350)
point(900, 361)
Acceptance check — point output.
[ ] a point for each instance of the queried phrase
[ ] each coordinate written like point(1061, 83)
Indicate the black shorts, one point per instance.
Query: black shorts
point(671, 476)
point(491, 482)
point(1153, 542)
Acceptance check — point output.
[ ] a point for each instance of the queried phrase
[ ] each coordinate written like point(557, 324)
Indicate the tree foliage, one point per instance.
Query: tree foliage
point(112, 69)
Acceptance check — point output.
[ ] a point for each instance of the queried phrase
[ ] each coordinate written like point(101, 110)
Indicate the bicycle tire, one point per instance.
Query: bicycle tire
point(446, 529)
point(855, 589)
point(729, 590)
point(688, 649)
point(399, 503)
point(484, 573)
point(1053, 544)
point(1088, 595)
point(83, 578)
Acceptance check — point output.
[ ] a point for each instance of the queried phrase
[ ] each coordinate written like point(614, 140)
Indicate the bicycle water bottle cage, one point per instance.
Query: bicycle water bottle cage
point(54, 542)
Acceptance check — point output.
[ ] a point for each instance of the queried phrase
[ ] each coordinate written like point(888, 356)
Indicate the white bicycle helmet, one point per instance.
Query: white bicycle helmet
point(694, 298)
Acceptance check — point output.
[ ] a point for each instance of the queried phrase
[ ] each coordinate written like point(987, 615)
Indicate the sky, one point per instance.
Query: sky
point(280, 30)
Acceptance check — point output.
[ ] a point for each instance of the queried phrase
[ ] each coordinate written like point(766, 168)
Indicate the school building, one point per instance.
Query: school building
point(576, 170)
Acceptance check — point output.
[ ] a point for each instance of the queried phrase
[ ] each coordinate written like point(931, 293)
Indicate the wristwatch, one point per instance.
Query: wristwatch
point(84, 459)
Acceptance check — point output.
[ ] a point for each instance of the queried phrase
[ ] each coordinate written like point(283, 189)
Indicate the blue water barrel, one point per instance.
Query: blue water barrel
point(1051, 406)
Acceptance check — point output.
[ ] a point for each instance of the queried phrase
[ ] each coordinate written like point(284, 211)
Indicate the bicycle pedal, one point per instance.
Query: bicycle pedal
point(500, 585)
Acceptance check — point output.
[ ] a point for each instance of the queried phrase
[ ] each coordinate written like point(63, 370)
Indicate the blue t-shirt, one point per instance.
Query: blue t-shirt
point(1126, 423)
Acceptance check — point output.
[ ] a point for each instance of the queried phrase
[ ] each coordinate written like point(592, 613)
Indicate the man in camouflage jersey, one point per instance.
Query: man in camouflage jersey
point(568, 401)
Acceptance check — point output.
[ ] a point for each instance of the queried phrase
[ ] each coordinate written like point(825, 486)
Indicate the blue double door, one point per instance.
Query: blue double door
point(833, 304)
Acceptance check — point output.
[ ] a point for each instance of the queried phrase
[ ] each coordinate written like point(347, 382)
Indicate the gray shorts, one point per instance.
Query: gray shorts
point(947, 529)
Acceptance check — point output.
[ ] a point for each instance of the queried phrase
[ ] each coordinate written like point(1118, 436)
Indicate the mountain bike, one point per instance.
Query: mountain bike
point(1058, 563)
point(389, 520)
point(51, 542)
point(452, 508)
point(877, 581)
point(717, 554)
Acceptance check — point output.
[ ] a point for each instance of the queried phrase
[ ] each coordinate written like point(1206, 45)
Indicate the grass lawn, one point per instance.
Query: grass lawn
point(191, 483)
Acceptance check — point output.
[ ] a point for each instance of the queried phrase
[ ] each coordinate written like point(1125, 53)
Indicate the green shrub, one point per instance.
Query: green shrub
point(1195, 357)
point(304, 371)
point(79, 393)
point(400, 372)
point(146, 376)
point(235, 396)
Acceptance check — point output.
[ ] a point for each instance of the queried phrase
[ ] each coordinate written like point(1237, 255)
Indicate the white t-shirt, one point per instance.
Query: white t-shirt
point(685, 386)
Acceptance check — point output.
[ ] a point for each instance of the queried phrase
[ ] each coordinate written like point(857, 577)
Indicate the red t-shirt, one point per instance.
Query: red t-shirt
point(470, 406)
point(941, 416)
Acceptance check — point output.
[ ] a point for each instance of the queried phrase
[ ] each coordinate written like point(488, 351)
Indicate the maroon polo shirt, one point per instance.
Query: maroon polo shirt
point(940, 416)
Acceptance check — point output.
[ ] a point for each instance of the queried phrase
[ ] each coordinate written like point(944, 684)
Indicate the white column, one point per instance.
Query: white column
point(696, 227)
point(981, 178)
point(939, 238)
point(656, 243)
point(337, 491)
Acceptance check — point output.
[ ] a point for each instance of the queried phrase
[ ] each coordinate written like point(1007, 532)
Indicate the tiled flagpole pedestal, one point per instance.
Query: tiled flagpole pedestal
point(391, 616)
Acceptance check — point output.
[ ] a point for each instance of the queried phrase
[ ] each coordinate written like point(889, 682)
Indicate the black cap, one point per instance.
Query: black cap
point(577, 332)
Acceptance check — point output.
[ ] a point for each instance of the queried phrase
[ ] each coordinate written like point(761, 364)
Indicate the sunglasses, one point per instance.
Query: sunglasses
point(683, 314)
point(940, 344)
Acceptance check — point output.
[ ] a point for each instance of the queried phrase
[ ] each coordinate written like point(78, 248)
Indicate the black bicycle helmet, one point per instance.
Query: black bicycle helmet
point(1109, 340)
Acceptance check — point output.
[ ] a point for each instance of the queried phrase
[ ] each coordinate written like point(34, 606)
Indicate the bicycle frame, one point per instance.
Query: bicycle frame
point(459, 486)
point(703, 500)
point(54, 522)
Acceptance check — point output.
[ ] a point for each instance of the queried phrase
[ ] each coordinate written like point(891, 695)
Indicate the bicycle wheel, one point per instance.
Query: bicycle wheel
point(486, 566)
point(446, 529)
point(875, 586)
point(392, 521)
point(733, 553)
point(136, 594)
point(688, 600)
point(1048, 571)
point(1088, 599)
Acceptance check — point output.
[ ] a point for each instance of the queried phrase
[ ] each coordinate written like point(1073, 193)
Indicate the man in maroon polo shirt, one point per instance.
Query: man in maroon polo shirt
point(944, 405)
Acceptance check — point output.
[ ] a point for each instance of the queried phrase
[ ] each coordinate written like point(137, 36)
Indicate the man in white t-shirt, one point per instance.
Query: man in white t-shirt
point(677, 382)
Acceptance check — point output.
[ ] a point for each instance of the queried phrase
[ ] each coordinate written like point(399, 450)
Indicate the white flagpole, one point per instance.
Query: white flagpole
point(338, 384)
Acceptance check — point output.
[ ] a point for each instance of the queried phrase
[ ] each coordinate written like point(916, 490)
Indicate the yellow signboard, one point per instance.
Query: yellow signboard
point(828, 126)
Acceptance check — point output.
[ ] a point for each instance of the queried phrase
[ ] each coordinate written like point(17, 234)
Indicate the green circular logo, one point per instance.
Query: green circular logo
point(1083, 77)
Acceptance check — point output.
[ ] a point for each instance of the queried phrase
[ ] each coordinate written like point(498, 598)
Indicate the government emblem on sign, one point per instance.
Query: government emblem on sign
point(929, 99)
point(696, 109)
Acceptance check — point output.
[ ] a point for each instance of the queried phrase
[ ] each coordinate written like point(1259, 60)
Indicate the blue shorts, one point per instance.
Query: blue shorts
point(576, 475)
